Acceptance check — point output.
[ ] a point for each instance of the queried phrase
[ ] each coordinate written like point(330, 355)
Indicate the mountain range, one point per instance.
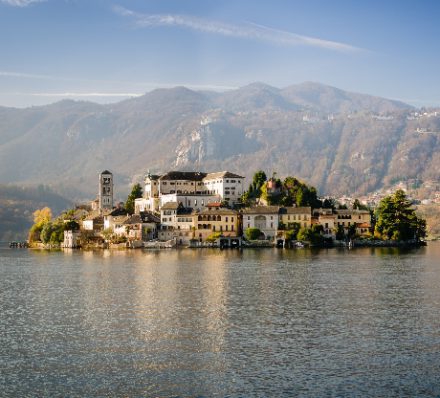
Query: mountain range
point(338, 141)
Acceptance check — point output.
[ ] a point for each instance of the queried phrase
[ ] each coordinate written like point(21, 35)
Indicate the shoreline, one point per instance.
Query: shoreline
point(269, 245)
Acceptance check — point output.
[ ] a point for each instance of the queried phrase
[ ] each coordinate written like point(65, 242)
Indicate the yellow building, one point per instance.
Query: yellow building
point(300, 215)
point(216, 220)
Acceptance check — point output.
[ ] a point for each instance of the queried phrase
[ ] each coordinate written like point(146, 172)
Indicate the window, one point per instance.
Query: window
point(226, 227)
point(226, 219)
point(249, 217)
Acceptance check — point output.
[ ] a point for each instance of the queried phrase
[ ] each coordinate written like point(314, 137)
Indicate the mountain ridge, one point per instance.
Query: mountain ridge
point(342, 142)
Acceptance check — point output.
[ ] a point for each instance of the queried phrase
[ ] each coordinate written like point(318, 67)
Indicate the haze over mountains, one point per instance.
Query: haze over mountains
point(340, 142)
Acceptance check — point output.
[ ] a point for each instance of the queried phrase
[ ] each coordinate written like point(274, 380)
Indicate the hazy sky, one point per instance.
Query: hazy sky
point(103, 50)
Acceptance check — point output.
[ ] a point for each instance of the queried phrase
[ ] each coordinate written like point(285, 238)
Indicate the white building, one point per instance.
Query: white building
point(186, 185)
point(265, 218)
point(70, 239)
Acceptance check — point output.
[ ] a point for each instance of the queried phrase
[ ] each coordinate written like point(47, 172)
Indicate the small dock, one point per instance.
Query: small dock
point(18, 245)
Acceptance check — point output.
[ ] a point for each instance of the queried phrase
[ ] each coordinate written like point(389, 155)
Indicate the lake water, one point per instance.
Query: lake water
point(211, 323)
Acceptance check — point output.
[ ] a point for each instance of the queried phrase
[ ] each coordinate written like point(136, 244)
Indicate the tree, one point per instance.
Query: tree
point(329, 203)
point(358, 205)
point(304, 234)
point(213, 237)
point(311, 235)
point(136, 192)
point(396, 219)
point(252, 233)
point(340, 233)
point(42, 216)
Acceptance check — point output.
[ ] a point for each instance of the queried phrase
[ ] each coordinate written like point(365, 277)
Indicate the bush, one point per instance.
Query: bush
point(252, 233)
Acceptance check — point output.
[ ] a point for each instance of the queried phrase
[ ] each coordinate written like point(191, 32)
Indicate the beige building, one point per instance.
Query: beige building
point(299, 215)
point(216, 220)
point(346, 218)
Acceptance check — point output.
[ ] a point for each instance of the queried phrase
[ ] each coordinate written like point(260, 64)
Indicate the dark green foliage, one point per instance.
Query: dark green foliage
point(359, 206)
point(351, 231)
point(71, 225)
point(292, 232)
point(329, 203)
point(258, 181)
point(340, 233)
point(396, 219)
point(52, 232)
point(136, 192)
point(311, 235)
point(252, 233)
point(299, 193)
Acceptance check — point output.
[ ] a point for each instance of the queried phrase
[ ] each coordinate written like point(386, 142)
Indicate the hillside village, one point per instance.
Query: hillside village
point(181, 208)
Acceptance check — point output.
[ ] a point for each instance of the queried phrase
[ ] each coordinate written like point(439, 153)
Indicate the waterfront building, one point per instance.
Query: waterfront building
point(264, 218)
point(70, 239)
point(216, 220)
point(288, 216)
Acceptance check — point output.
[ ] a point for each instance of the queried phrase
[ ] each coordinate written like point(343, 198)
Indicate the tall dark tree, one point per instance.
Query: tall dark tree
point(136, 192)
point(357, 205)
point(396, 219)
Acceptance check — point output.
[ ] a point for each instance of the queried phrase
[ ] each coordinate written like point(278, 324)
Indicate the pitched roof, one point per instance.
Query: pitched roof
point(149, 217)
point(217, 210)
point(120, 219)
point(197, 175)
point(183, 175)
point(351, 211)
point(133, 219)
point(363, 225)
point(222, 174)
point(261, 210)
point(295, 210)
point(170, 206)
point(93, 215)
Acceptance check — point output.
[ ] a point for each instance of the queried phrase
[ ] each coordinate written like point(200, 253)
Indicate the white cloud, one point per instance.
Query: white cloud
point(81, 95)
point(20, 3)
point(249, 31)
point(26, 75)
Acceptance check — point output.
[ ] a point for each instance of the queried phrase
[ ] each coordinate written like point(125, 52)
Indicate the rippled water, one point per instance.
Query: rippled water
point(211, 323)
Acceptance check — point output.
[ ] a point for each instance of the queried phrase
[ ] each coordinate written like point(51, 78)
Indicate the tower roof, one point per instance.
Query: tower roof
point(106, 172)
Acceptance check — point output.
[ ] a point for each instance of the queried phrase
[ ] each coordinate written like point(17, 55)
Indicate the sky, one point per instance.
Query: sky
point(107, 50)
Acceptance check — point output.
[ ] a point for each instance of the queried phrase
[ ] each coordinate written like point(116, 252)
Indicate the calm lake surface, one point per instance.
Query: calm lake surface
point(211, 323)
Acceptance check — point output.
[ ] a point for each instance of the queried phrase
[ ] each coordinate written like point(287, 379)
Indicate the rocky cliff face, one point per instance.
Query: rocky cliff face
point(340, 142)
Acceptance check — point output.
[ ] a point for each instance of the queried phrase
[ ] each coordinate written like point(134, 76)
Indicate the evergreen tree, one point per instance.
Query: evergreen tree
point(396, 219)
point(136, 192)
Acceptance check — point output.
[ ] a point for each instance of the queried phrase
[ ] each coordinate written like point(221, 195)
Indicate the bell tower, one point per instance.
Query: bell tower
point(105, 190)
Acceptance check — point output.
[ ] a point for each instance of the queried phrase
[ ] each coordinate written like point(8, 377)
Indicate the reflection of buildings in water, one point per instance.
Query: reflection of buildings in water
point(180, 301)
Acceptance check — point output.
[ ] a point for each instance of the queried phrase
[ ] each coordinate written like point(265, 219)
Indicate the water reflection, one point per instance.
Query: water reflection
point(220, 323)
